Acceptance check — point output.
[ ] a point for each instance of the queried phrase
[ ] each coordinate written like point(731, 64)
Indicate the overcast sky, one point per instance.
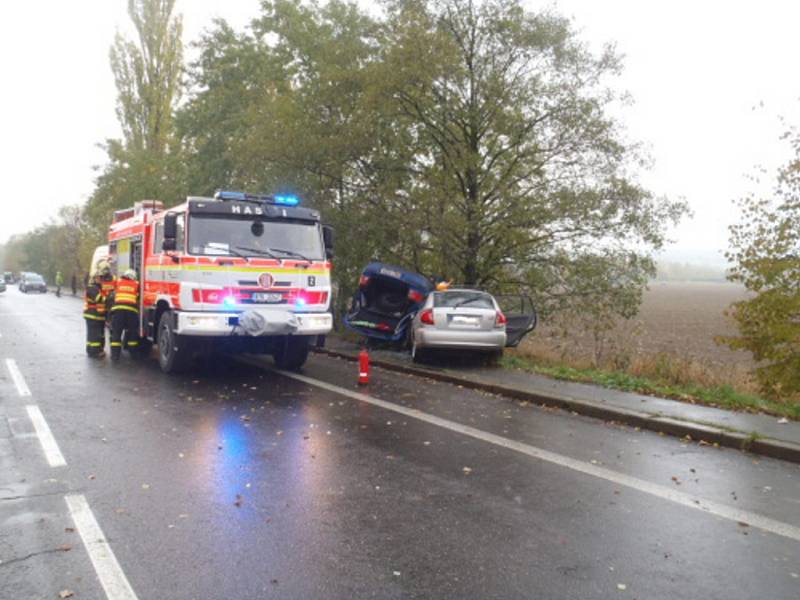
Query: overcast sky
point(709, 81)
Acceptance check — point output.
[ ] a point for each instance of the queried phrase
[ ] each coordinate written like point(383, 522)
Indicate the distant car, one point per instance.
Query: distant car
point(32, 282)
point(2, 285)
point(458, 319)
point(8, 277)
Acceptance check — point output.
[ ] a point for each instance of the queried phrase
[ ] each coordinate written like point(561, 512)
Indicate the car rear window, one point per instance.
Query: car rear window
point(461, 298)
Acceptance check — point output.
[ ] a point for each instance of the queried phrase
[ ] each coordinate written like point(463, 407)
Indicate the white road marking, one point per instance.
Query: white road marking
point(111, 575)
point(16, 375)
point(46, 439)
point(654, 489)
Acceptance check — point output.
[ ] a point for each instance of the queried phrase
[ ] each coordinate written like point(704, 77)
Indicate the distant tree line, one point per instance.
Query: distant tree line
point(468, 140)
point(685, 271)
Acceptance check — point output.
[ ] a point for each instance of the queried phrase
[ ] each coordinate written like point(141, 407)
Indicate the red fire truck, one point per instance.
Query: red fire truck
point(234, 273)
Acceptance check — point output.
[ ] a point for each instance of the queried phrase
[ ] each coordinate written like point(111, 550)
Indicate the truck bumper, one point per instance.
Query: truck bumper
point(208, 324)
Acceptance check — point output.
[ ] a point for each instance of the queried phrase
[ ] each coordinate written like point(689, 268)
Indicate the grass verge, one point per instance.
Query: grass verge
point(721, 396)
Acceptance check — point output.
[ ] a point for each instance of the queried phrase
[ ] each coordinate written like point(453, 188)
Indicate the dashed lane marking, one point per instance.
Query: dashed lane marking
point(108, 570)
point(16, 375)
point(687, 500)
point(46, 439)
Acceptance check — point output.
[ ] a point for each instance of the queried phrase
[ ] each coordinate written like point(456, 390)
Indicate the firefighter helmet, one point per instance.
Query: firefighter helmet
point(129, 274)
point(103, 268)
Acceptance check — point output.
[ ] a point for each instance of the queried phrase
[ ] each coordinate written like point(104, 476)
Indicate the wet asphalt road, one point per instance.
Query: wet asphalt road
point(236, 482)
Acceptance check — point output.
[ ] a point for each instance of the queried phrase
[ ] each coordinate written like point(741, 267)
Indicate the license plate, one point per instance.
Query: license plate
point(267, 297)
point(465, 321)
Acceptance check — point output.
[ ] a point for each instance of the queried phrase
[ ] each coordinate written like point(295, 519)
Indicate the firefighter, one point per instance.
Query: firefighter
point(107, 281)
point(125, 314)
point(94, 309)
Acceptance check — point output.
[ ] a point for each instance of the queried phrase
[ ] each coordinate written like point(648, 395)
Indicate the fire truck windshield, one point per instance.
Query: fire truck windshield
point(224, 236)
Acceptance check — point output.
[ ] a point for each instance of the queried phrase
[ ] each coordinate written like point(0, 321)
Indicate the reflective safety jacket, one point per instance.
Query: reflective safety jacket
point(107, 288)
point(126, 295)
point(94, 304)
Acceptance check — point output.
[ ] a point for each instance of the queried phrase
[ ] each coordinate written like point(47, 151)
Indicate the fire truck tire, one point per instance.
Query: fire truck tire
point(291, 352)
point(173, 352)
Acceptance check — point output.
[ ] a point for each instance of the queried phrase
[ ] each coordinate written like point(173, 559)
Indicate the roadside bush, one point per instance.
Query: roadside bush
point(766, 259)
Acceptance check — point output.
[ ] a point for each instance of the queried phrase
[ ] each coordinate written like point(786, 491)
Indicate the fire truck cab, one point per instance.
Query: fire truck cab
point(234, 273)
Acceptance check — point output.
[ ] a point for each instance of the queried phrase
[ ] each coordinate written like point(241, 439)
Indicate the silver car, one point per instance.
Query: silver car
point(458, 319)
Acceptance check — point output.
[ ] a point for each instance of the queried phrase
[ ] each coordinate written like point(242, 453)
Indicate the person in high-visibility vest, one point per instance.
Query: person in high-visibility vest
point(125, 314)
point(94, 308)
point(107, 283)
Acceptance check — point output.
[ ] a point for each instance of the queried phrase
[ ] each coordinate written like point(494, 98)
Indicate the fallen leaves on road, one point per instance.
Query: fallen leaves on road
point(91, 477)
point(66, 594)
point(69, 529)
point(65, 547)
point(467, 470)
point(238, 502)
point(622, 587)
point(145, 486)
point(783, 420)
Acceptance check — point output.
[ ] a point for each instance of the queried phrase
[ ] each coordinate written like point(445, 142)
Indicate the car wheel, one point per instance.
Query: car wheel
point(418, 354)
point(173, 351)
point(291, 352)
point(493, 358)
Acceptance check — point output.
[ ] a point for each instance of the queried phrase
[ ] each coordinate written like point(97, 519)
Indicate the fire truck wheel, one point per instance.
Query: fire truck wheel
point(173, 352)
point(291, 352)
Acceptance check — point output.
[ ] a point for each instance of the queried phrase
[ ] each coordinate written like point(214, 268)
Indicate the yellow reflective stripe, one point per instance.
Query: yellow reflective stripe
point(94, 317)
point(261, 269)
point(124, 307)
point(132, 343)
point(124, 296)
point(94, 344)
point(116, 344)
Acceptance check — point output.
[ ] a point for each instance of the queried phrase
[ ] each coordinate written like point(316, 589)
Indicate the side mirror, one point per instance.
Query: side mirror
point(170, 226)
point(169, 244)
point(327, 238)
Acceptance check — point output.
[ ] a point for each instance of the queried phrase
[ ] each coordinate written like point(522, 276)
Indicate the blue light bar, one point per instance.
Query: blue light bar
point(279, 199)
point(226, 195)
point(286, 199)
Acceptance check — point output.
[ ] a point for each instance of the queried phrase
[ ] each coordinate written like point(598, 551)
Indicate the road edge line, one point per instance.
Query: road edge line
point(663, 492)
point(764, 446)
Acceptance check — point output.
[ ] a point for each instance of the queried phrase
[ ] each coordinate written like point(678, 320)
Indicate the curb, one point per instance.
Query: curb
point(653, 422)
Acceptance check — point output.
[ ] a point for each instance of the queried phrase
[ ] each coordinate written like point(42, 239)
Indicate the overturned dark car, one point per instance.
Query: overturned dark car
point(387, 299)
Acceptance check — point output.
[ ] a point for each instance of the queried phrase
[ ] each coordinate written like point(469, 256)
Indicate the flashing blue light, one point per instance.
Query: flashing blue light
point(300, 302)
point(227, 195)
point(286, 199)
point(229, 301)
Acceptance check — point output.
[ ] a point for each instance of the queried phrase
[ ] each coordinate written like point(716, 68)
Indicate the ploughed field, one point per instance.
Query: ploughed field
point(675, 327)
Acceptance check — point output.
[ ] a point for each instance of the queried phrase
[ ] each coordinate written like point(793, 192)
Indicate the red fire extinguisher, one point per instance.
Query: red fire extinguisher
point(363, 367)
